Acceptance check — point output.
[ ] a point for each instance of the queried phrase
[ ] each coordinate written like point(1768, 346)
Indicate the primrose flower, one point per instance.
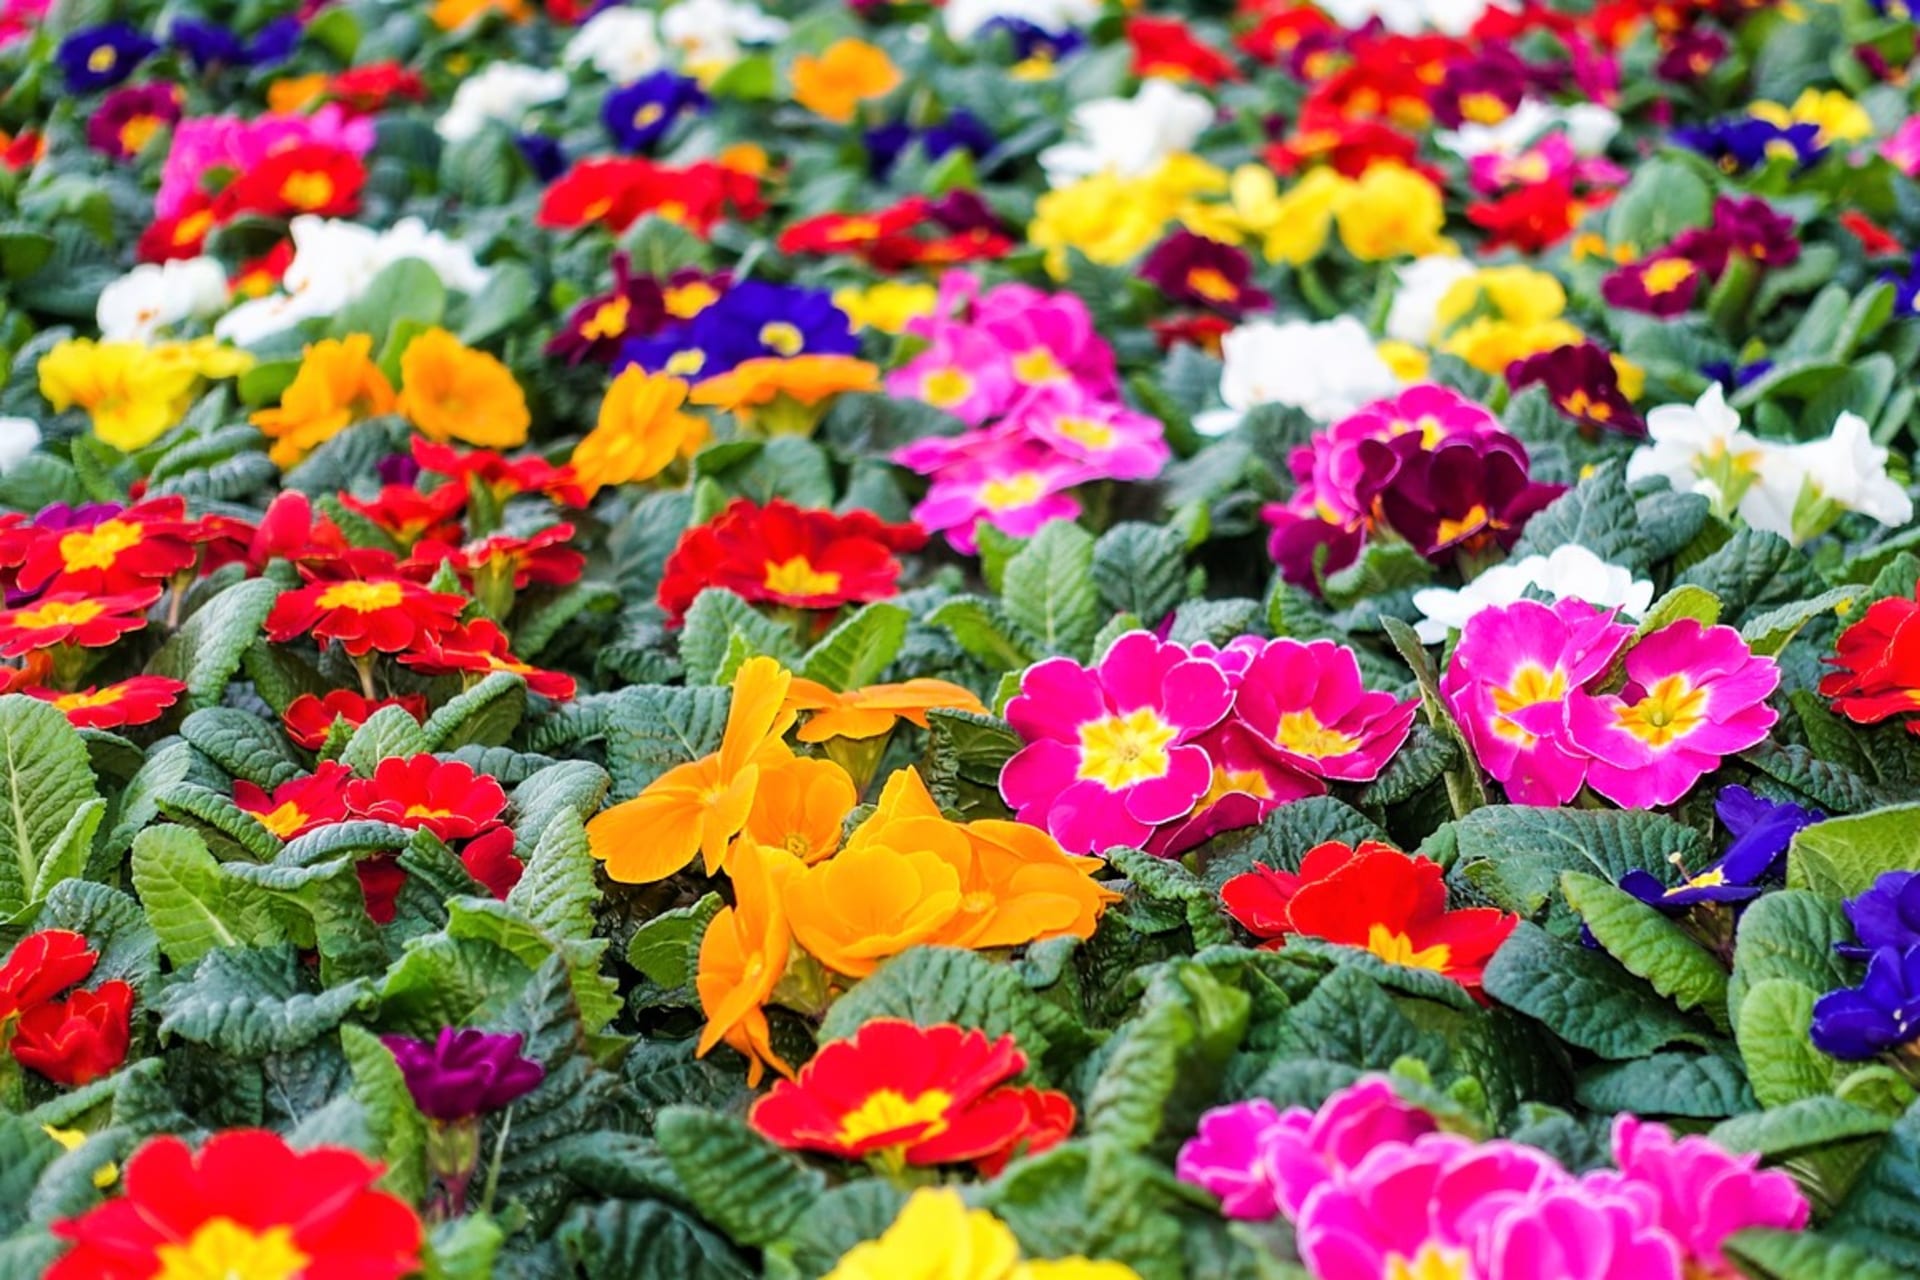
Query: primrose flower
point(425, 792)
point(338, 384)
point(640, 431)
point(298, 805)
point(133, 394)
point(1877, 661)
point(1881, 1015)
point(640, 114)
point(1567, 572)
point(1115, 441)
point(502, 91)
point(1327, 370)
point(1508, 685)
point(71, 617)
point(1761, 830)
point(1129, 137)
point(1885, 917)
point(1305, 706)
point(1109, 751)
point(872, 711)
point(1804, 488)
point(100, 57)
point(464, 1072)
point(389, 615)
point(452, 392)
point(136, 700)
point(743, 956)
point(786, 555)
point(1693, 696)
point(1018, 488)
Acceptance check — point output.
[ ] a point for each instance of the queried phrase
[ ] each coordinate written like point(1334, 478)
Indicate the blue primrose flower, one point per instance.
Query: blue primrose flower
point(101, 57)
point(1734, 377)
point(639, 115)
point(1881, 1014)
point(752, 320)
point(208, 44)
point(1885, 917)
point(1906, 289)
point(1761, 830)
point(1031, 40)
point(1743, 143)
point(960, 131)
point(543, 155)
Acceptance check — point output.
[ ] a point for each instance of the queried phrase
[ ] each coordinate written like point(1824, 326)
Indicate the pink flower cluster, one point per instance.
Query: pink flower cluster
point(1374, 1189)
point(1428, 466)
point(1550, 160)
point(1160, 746)
point(207, 143)
point(1528, 685)
point(1026, 371)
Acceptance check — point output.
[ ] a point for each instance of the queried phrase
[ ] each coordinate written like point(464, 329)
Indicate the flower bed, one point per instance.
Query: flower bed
point(1007, 641)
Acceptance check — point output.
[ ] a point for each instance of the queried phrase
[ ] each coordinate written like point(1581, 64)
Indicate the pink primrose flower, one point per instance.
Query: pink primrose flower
point(1305, 705)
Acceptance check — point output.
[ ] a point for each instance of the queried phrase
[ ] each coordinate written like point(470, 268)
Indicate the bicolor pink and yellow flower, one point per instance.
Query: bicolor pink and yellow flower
point(1305, 706)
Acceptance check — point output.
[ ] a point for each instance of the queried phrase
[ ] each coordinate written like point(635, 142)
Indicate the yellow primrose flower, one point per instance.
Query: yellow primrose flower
point(1305, 217)
point(133, 395)
point(1519, 294)
point(847, 74)
point(1392, 212)
point(888, 305)
point(936, 1237)
point(1490, 345)
point(1840, 118)
point(1408, 362)
point(1074, 1269)
point(1633, 379)
point(106, 1175)
point(207, 357)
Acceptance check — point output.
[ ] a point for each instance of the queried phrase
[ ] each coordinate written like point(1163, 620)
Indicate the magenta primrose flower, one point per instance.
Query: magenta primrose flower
point(1508, 684)
point(963, 371)
point(1305, 705)
point(1694, 694)
point(1110, 749)
point(1108, 438)
point(1017, 487)
point(1247, 785)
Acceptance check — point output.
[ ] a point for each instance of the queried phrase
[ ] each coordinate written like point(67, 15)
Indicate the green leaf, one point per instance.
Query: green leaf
point(859, 649)
point(1165, 880)
point(487, 714)
point(1665, 197)
point(1770, 632)
point(1767, 1254)
point(244, 745)
point(1164, 1065)
point(1141, 569)
point(1882, 1211)
point(736, 1179)
point(645, 1240)
point(965, 753)
point(329, 894)
point(1048, 589)
point(985, 631)
point(1772, 1029)
point(1648, 944)
point(397, 1125)
point(1702, 1086)
point(1583, 997)
point(564, 787)
point(1789, 934)
point(667, 947)
point(1598, 514)
point(1811, 1122)
point(1381, 569)
point(190, 803)
point(67, 858)
point(45, 778)
point(208, 648)
point(1283, 837)
point(654, 728)
point(1097, 1200)
point(1516, 854)
point(251, 1002)
point(716, 616)
point(1753, 572)
point(507, 927)
point(1833, 787)
point(388, 733)
point(1350, 1018)
point(405, 290)
point(1842, 857)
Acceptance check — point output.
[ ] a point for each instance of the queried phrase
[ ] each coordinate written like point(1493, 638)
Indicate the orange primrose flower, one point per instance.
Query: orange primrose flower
point(699, 807)
point(848, 73)
point(742, 957)
point(800, 805)
point(874, 710)
point(807, 379)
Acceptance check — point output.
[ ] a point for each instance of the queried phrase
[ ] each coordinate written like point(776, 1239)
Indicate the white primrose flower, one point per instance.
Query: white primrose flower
point(1803, 488)
point(621, 44)
point(1699, 448)
point(1326, 370)
point(710, 33)
point(1129, 136)
point(1415, 315)
point(1571, 571)
point(156, 296)
point(1408, 17)
point(1589, 128)
point(964, 18)
point(504, 91)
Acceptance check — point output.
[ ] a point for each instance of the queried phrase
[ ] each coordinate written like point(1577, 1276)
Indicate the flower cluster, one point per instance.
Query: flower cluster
point(1878, 665)
point(70, 1038)
point(1880, 1016)
point(1374, 1187)
point(1159, 746)
point(1533, 687)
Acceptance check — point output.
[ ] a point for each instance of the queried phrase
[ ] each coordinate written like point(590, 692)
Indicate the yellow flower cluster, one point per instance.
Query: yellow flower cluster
point(936, 1237)
point(1501, 314)
point(134, 393)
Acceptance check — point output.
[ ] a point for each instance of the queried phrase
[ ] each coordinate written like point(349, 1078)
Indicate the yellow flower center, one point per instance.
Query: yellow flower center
point(648, 116)
point(783, 337)
point(684, 364)
point(193, 226)
point(427, 811)
point(1227, 782)
point(1433, 1262)
point(946, 388)
point(137, 132)
point(1483, 108)
point(1211, 285)
point(283, 821)
point(885, 1111)
point(307, 190)
point(1019, 490)
point(98, 547)
point(101, 60)
point(58, 613)
point(1397, 948)
point(1672, 709)
point(1037, 365)
point(609, 320)
point(1712, 878)
point(1531, 683)
point(222, 1249)
point(82, 701)
point(1094, 435)
point(1451, 530)
point(1121, 750)
point(1666, 275)
point(1579, 404)
point(689, 300)
point(361, 597)
point(796, 577)
point(1302, 733)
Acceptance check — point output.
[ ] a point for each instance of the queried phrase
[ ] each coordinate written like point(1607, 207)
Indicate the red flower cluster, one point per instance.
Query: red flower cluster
point(500, 476)
point(964, 230)
point(246, 1194)
point(136, 701)
point(618, 192)
point(307, 178)
point(1167, 48)
point(898, 1095)
point(1375, 898)
point(781, 554)
point(1879, 665)
point(70, 1041)
point(309, 718)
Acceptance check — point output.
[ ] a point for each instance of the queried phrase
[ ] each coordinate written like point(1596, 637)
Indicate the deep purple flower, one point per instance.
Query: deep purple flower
point(466, 1072)
point(1749, 228)
point(1724, 372)
point(1906, 289)
point(544, 155)
point(960, 131)
point(130, 117)
point(1664, 284)
point(1691, 56)
point(636, 307)
point(101, 57)
point(1193, 271)
point(638, 115)
point(1882, 1013)
point(1743, 143)
point(1761, 830)
point(962, 212)
point(58, 515)
point(1583, 384)
point(1885, 917)
point(1464, 493)
point(752, 320)
point(397, 468)
point(208, 44)
point(1031, 40)
point(1489, 87)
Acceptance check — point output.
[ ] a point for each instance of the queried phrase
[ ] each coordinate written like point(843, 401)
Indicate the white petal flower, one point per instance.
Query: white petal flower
point(621, 44)
point(1326, 370)
point(1570, 572)
point(1129, 136)
point(154, 297)
point(1589, 128)
point(711, 32)
point(1696, 443)
point(503, 91)
point(1415, 315)
point(1818, 480)
point(1408, 17)
point(964, 18)
point(18, 438)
